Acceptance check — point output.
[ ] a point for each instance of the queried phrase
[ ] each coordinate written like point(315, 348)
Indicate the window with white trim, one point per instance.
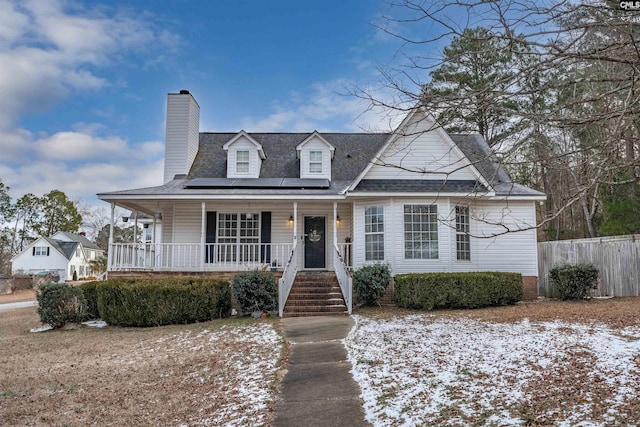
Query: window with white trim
point(315, 161)
point(239, 237)
point(242, 161)
point(374, 233)
point(420, 232)
point(40, 251)
point(463, 241)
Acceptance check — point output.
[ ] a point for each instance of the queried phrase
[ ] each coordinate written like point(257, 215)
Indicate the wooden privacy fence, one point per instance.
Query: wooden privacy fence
point(616, 258)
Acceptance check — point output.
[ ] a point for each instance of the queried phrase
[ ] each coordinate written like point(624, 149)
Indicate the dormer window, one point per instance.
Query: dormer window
point(315, 154)
point(315, 162)
point(242, 162)
point(244, 156)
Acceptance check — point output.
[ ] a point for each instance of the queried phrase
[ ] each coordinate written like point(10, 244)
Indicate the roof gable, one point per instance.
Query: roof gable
point(315, 136)
point(244, 135)
point(418, 149)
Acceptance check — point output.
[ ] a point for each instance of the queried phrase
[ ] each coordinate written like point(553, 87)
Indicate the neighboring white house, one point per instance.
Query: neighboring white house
point(418, 199)
point(63, 253)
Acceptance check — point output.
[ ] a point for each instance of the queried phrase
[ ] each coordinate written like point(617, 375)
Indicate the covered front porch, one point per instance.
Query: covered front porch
point(223, 236)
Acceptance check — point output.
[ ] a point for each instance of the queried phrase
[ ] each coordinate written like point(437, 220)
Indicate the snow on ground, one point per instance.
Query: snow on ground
point(422, 369)
point(237, 384)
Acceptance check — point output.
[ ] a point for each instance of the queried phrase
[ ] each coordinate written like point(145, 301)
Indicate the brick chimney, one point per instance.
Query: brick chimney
point(182, 134)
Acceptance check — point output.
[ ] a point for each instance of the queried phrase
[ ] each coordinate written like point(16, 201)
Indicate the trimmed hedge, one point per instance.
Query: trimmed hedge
point(256, 291)
point(574, 281)
point(457, 290)
point(91, 295)
point(155, 302)
point(61, 303)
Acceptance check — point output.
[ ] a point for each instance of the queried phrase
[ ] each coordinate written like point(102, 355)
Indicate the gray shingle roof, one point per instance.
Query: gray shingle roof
point(419, 186)
point(66, 248)
point(86, 243)
point(353, 153)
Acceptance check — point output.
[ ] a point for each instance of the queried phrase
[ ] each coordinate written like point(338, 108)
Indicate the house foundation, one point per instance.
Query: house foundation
point(529, 288)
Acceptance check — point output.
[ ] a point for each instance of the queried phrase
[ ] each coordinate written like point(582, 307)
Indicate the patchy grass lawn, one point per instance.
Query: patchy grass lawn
point(214, 373)
point(545, 363)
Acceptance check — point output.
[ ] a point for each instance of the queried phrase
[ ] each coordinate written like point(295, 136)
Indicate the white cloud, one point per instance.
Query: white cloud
point(48, 50)
point(328, 107)
point(53, 167)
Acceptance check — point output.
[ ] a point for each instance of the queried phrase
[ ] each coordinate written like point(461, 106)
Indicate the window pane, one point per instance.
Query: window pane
point(315, 161)
point(374, 233)
point(463, 240)
point(242, 161)
point(421, 231)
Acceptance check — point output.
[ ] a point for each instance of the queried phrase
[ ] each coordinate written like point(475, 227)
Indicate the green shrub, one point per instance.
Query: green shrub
point(457, 290)
point(91, 295)
point(370, 283)
point(256, 291)
point(154, 302)
point(574, 281)
point(61, 303)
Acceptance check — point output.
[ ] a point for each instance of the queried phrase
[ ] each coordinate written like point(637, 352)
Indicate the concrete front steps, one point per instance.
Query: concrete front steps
point(315, 294)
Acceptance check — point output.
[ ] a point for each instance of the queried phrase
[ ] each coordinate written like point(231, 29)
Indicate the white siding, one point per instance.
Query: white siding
point(421, 153)
point(243, 144)
point(515, 251)
point(315, 144)
point(182, 134)
point(187, 224)
point(512, 252)
point(27, 263)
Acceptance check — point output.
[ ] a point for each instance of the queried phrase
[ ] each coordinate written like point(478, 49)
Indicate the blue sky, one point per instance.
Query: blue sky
point(83, 84)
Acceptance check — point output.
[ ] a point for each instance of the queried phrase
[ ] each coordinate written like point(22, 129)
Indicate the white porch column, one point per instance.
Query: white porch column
point(203, 235)
point(153, 235)
point(335, 226)
point(110, 253)
point(159, 248)
point(135, 227)
point(295, 222)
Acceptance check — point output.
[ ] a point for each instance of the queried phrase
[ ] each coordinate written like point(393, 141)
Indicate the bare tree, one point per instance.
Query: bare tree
point(553, 85)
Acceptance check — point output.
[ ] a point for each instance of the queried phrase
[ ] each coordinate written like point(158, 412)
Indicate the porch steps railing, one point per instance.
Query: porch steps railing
point(315, 294)
point(343, 277)
point(288, 276)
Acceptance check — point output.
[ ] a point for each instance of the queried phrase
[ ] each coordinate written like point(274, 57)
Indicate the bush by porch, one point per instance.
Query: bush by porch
point(457, 290)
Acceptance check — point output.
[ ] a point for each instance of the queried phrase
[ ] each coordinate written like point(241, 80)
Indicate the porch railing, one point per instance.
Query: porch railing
point(345, 250)
point(344, 278)
point(196, 257)
point(288, 276)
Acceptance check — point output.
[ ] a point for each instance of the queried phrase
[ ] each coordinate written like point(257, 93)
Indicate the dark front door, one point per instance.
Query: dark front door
point(314, 242)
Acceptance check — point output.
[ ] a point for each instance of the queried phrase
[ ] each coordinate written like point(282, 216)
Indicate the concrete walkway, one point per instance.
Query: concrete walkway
point(318, 389)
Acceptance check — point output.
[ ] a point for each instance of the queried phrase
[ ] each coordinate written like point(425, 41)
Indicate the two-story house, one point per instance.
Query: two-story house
point(418, 199)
